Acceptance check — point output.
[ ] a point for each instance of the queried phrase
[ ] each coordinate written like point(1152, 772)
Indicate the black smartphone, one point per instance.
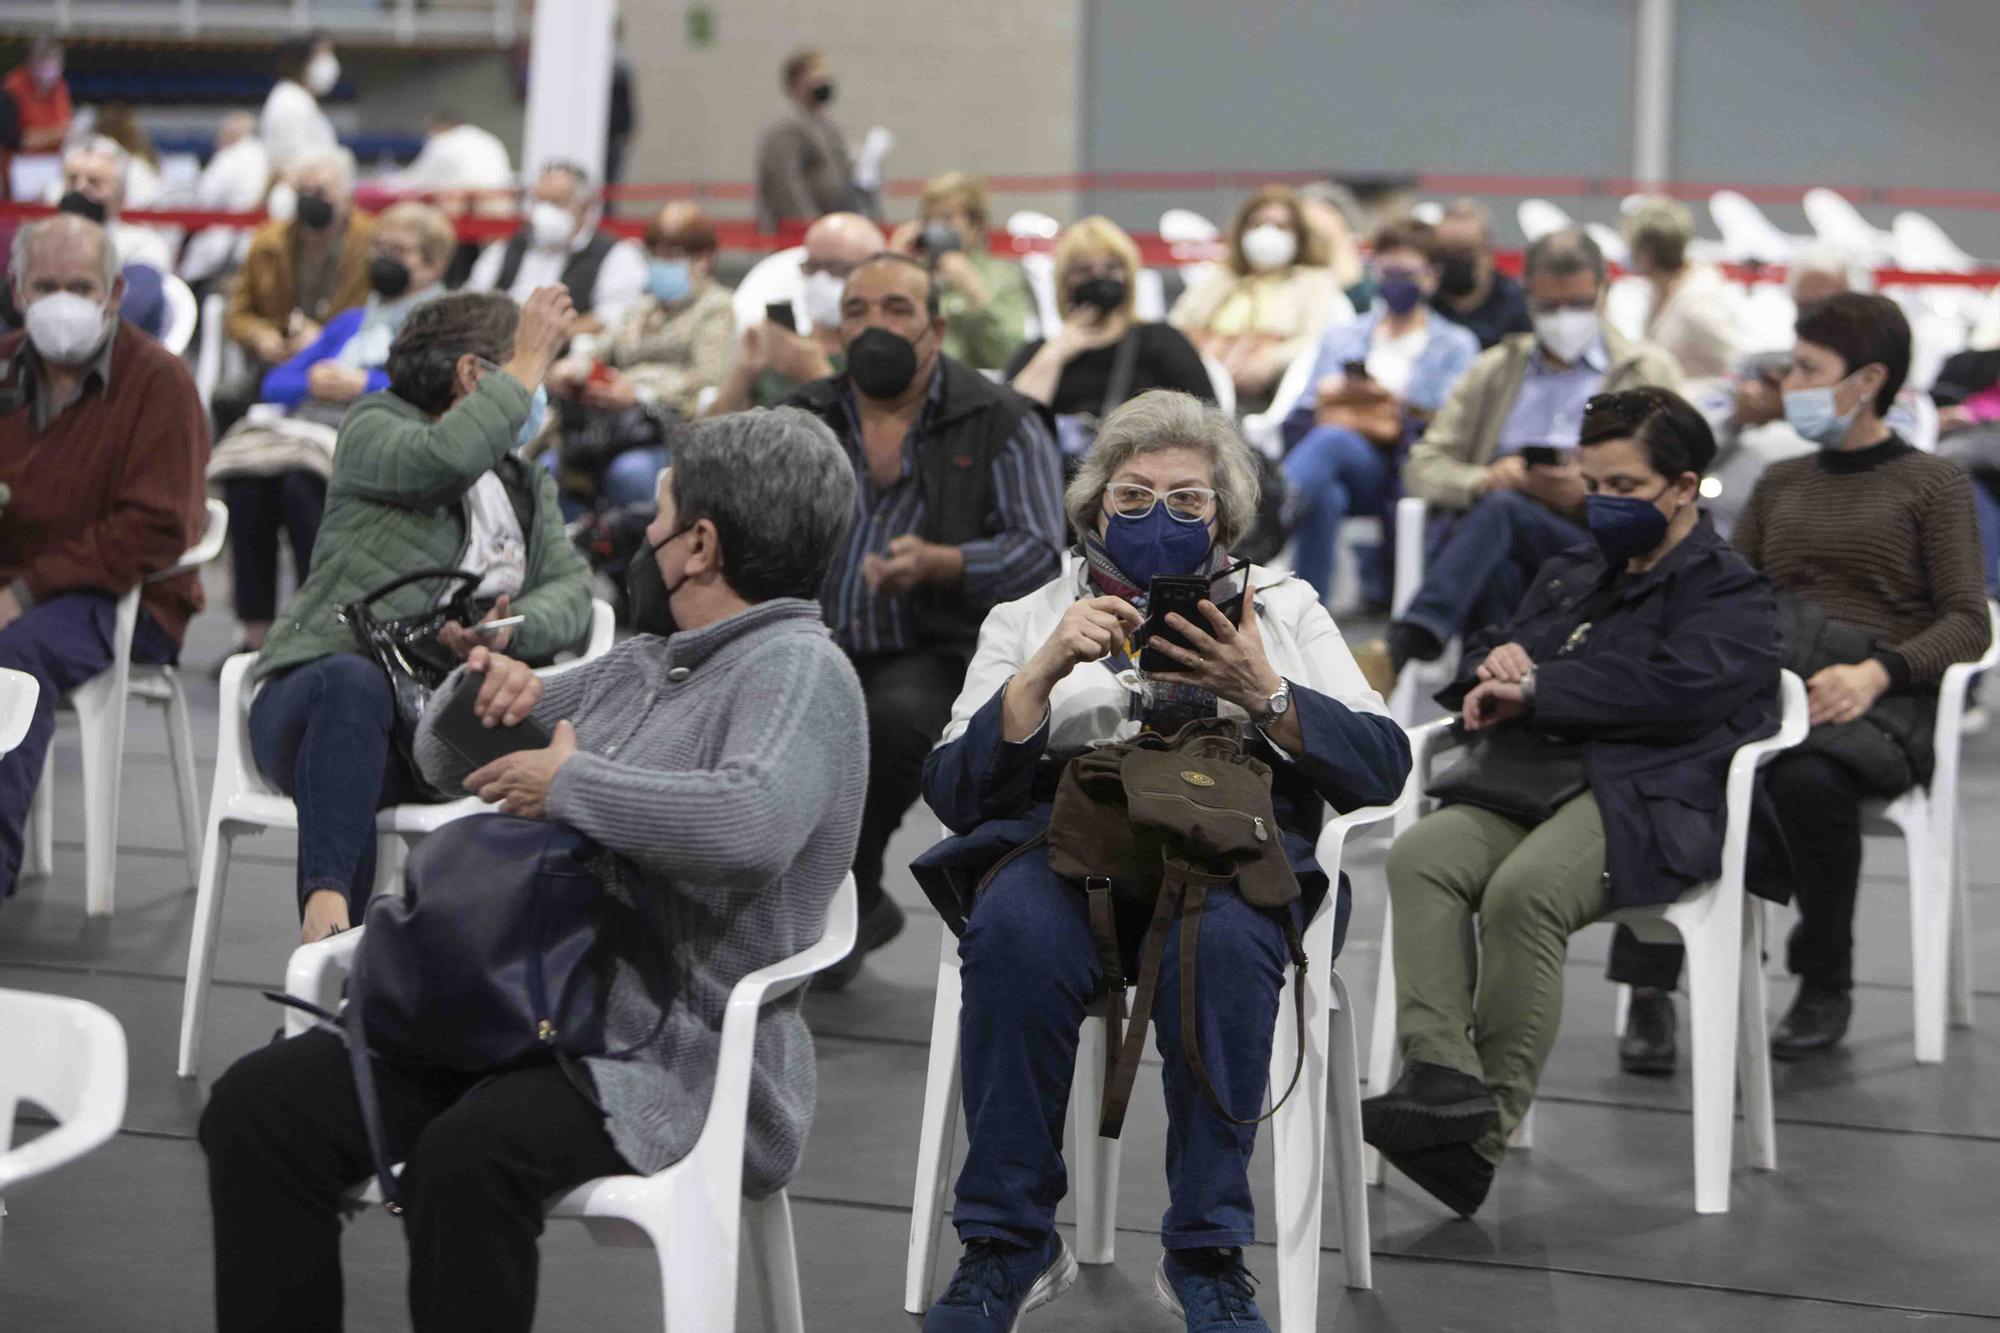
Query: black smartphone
point(478, 744)
point(1184, 594)
point(1541, 455)
point(1354, 370)
point(780, 312)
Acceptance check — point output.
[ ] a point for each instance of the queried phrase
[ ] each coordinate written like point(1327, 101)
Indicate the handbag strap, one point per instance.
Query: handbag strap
point(354, 1028)
point(1122, 1054)
point(1118, 385)
point(465, 577)
point(1197, 897)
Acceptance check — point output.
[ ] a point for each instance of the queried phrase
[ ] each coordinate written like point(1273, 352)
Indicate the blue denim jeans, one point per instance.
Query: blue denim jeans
point(1481, 568)
point(321, 733)
point(1029, 970)
point(62, 643)
point(1333, 473)
point(1987, 502)
point(633, 478)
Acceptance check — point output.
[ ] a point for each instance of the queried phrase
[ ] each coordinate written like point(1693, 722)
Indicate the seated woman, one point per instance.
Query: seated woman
point(1346, 434)
point(1102, 356)
point(650, 369)
point(1691, 313)
point(985, 297)
point(425, 477)
point(1875, 549)
point(1266, 304)
point(718, 762)
point(1637, 666)
point(273, 472)
point(1168, 487)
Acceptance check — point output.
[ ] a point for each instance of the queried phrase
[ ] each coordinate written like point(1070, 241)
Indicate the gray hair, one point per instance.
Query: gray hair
point(338, 160)
point(102, 145)
point(780, 491)
point(1162, 419)
point(579, 176)
point(1561, 253)
point(52, 228)
point(1831, 261)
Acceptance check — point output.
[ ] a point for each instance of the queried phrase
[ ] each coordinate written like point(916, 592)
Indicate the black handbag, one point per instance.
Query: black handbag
point(498, 955)
point(1514, 771)
point(408, 651)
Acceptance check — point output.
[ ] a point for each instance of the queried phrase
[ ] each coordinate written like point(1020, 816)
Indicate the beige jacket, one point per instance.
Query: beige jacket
point(1447, 465)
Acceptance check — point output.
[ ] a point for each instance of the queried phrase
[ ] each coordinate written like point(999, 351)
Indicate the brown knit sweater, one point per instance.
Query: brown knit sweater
point(1883, 538)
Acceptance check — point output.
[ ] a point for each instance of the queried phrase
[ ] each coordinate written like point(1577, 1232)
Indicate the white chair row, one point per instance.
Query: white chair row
point(1328, 1087)
point(241, 801)
point(692, 1213)
point(99, 705)
point(68, 1058)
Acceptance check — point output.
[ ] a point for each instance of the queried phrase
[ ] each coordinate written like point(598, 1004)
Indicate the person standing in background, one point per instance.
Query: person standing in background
point(41, 105)
point(803, 169)
point(292, 125)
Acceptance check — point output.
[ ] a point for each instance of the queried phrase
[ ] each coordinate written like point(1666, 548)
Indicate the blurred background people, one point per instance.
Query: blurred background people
point(561, 241)
point(986, 298)
point(802, 167)
point(1471, 292)
point(773, 359)
point(292, 124)
point(1691, 314)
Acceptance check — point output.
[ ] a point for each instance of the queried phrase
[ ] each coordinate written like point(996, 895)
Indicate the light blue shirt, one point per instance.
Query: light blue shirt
point(1549, 407)
point(1448, 349)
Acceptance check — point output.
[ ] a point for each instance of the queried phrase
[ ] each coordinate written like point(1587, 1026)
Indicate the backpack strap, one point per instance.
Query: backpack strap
point(1123, 1053)
point(1191, 1035)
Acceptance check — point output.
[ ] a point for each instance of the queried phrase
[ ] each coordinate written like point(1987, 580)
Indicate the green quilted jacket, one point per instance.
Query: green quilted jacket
point(396, 503)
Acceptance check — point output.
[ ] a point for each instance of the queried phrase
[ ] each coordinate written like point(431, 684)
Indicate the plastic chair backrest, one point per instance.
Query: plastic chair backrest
point(18, 692)
point(1182, 226)
point(1838, 222)
point(208, 357)
point(1032, 223)
point(1922, 246)
point(67, 1057)
point(1539, 217)
point(182, 312)
point(776, 277)
point(1225, 387)
point(1747, 235)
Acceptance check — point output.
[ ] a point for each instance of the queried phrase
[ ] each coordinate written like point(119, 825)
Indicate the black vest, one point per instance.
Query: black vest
point(579, 274)
point(969, 427)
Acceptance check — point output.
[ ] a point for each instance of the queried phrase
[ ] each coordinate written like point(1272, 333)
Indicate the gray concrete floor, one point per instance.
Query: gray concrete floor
point(1881, 1216)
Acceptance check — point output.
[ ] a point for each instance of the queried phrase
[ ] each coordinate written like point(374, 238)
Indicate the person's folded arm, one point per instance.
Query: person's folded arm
point(290, 382)
point(385, 455)
point(1023, 550)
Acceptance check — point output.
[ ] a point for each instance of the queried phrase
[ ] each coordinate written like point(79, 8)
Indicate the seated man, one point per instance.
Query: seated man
point(774, 360)
point(986, 298)
point(560, 242)
point(102, 445)
point(1470, 291)
point(1526, 393)
point(959, 509)
point(298, 275)
point(93, 182)
point(719, 763)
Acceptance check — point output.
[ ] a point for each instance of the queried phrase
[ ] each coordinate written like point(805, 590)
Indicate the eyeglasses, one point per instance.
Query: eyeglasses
point(1189, 504)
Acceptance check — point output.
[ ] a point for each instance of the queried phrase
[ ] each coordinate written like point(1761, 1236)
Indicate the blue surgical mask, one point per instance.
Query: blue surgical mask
point(669, 280)
point(538, 411)
point(1145, 548)
point(1625, 526)
point(1817, 418)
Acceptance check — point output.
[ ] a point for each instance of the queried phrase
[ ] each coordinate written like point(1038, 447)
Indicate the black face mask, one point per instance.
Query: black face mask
point(1106, 295)
point(1458, 274)
point(822, 93)
point(315, 212)
point(83, 206)
point(389, 278)
point(881, 363)
point(649, 602)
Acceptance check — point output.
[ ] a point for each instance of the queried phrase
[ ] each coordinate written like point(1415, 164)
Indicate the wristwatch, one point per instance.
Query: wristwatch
point(1528, 688)
point(1278, 704)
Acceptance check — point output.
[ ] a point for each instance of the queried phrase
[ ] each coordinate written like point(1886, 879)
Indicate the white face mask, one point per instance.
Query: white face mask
point(66, 329)
point(550, 224)
point(1566, 334)
point(1269, 246)
point(322, 72)
point(823, 299)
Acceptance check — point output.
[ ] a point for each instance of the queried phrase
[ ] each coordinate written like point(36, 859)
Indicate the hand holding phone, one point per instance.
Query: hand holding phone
point(478, 744)
point(1541, 455)
point(1183, 595)
point(780, 313)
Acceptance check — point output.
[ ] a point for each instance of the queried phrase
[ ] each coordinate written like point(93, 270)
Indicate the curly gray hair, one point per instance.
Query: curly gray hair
point(1162, 419)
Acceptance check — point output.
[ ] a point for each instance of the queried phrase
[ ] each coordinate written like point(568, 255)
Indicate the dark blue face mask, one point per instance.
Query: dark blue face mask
point(1625, 526)
point(1145, 548)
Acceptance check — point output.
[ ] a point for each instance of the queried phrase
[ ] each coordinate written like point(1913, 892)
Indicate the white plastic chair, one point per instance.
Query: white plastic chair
point(690, 1213)
point(1839, 223)
point(1419, 680)
point(67, 1057)
point(241, 801)
point(182, 312)
point(1721, 927)
point(1922, 246)
point(1539, 217)
point(776, 277)
point(1223, 385)
point(1265, 430)
point(1927, 819)
point(1610, 242)
point(100, 715)
point(208, 357)
point(1184, 226)
point(1032, 223)
point(1149, 296)
point(18, 692)
point(1747, 235)
point(1299, 1131)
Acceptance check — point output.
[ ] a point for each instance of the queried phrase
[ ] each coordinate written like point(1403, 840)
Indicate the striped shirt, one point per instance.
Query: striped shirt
point(1021, 551)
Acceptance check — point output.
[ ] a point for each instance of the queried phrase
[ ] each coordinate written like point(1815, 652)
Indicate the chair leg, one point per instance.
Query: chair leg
point(40, 850)
point(1298, 1152)
point(1753, 1045)
point(1930, 939)
point(1714, 953)
point(100, 715)
point(697, 1280)
point(1382, 1032)
point(1349, 1174)
point(1096, 1158)
point(1961, 935)
point(392, 854)
point(180, 754)
point(201, 946)
point(1621, 1009)
point(936, 1142)
point(774, 1257)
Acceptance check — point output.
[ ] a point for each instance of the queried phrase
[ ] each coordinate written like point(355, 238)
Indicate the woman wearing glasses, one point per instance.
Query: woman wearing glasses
point(1166, 489)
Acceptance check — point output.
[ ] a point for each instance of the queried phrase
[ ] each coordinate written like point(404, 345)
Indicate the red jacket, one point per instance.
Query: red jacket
point(113, 490)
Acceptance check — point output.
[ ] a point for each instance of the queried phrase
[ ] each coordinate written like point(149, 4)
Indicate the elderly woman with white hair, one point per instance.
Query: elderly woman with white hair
point(1167, 489)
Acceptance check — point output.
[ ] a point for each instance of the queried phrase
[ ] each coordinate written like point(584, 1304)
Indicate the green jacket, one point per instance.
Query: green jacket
point(396, 503)
point(987, 339)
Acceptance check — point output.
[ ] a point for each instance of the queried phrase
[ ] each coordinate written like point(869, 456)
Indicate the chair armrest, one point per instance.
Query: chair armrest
point(316, 973)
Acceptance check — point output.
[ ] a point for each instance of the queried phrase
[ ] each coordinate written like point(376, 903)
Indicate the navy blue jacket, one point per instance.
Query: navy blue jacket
point(1661, 691)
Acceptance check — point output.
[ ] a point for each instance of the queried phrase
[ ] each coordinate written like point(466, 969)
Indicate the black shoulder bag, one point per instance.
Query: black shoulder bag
point(408, 651)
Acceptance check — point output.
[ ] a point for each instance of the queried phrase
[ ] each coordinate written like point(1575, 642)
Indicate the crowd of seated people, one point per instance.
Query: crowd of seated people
point(986, 298)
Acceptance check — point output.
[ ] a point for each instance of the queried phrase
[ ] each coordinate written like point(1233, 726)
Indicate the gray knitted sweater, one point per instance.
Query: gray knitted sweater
point(728, 764)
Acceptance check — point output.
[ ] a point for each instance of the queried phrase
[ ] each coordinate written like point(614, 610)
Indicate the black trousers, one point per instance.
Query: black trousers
point(284, 1141)
point(909, 696)
point(258, 508)
point(1819, 808)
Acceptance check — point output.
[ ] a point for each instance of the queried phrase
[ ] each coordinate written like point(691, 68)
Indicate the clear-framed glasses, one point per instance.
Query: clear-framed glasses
point(1189, 504)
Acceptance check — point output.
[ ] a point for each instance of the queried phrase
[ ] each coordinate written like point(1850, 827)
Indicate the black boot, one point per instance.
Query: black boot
point(1648, 1046)
point(1430, 1106)
point(1454, 1175)
point(1816, 1021)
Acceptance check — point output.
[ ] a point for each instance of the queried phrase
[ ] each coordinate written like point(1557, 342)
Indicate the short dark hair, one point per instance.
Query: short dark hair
point(295, 53)
point(1561, 253)
point(1406, 233)
point(1864, 329)
point(779, 489)
point(1675, 436)
point(933, 298)
point(797, 63)
point(423, 361)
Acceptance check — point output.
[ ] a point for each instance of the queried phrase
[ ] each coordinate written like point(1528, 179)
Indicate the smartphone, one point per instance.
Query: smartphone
point(1183, 594)
point(780, 313)
point(1354, 370)
point(475, 742)
point(1541, 455)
